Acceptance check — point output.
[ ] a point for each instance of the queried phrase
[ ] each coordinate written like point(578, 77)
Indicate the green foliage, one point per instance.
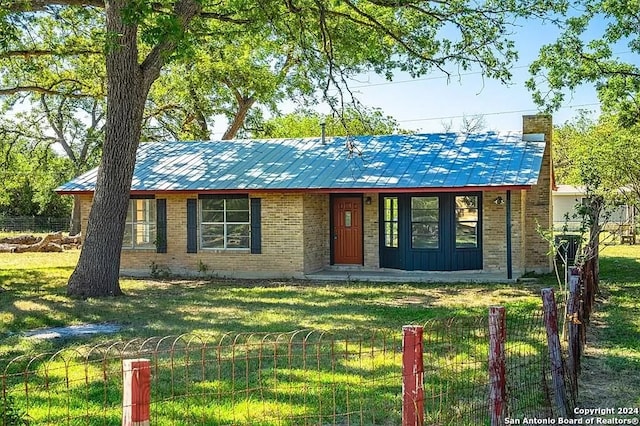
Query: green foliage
point(10, 415)
point(159, 271)
point(28, 177)
point(602, 155)
point(308, 124)
point(573, 60)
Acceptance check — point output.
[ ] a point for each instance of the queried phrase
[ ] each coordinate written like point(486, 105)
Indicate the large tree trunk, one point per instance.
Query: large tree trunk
point(128, 84)
point(98, 268)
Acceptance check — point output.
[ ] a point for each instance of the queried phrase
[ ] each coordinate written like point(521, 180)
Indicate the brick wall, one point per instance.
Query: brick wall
point(282, 237)
point(530, 252)
point(539, 206)
point(316, 232)
point(494, 232)
point(371, 229)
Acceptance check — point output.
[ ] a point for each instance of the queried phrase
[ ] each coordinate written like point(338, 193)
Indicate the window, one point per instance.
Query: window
point(467, 221)
point(425, 218)
point(140, 226)
point(224, 223)
point(390, 221)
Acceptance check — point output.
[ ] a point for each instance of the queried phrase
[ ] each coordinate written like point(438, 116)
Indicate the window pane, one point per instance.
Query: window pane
point(424, 235)
point(467, 221)
point(237, 236)
point(391, 234)
point(467, 234)
point(390, 221)
point(424, 215)
point(213, 236)
point(225, 214)
point(238, 204)
point(212, 204)
point(347, 219)
point(140, 229)
point(238, 216)
point(467, 201)
point(424, 203)
point(145, 235)
point(130, 212)
point(238, 242)
point(127, 241)
point(212, 216)
point(425, 220)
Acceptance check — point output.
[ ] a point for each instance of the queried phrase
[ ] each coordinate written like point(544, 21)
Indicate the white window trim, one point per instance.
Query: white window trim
point(148, 220)
point(224, 224)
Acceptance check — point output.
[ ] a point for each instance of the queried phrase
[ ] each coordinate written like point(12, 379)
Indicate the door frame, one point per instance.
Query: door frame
point(332, 199)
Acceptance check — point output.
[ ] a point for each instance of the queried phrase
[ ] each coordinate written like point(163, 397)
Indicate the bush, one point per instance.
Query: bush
point(11, 415)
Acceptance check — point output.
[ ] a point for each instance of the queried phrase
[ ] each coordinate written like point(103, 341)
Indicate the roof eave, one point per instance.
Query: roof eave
point(316, 190)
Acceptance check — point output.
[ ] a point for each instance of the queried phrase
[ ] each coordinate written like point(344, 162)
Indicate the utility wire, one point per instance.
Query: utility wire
point(515, 111)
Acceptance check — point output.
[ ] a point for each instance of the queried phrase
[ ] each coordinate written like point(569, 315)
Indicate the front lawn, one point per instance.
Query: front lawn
point(34, 297)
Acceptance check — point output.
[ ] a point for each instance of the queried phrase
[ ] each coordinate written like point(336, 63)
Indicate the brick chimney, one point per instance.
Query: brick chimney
point(539, 206)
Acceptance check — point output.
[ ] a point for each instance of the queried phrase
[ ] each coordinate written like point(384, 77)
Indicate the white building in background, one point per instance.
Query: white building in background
point(565, 198)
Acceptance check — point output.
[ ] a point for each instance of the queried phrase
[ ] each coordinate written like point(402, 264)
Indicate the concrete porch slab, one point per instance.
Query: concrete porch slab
point(397, 276)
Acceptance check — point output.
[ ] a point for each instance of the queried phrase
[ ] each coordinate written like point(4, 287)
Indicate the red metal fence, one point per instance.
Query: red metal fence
point(298, 378)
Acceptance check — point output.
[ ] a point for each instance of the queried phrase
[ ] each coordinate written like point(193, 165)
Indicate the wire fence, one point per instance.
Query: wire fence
point(33, 224)
point(297, 378)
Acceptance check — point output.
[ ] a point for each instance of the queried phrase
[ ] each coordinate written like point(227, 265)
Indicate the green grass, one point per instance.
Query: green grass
point(611, 369)
point(35, 297)
point(353, 368)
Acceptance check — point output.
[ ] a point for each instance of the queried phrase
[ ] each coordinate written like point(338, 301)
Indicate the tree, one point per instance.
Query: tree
point(603, 155)
point(227, 76)
point(74, 124)
point(572, 61)
point(348, 36)
point(28, 175)
point(470, 124)
point(353, 122)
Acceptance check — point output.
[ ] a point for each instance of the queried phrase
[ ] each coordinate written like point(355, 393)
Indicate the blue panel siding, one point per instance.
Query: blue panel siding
point(444, 258)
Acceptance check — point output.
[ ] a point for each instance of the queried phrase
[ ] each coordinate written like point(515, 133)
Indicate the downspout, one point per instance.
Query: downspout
point(509, 254)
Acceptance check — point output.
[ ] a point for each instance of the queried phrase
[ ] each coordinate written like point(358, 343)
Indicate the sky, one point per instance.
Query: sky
point(429, 103)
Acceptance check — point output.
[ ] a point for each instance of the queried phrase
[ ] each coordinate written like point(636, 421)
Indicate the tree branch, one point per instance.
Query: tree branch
point(41, 5)
point(184, 11)
point(38, 53)
point(42, 90)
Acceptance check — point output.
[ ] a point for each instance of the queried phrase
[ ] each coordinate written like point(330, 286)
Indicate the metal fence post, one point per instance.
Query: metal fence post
point(497, 365)
point(412, 376)
point(555, 354)
point(136, 397)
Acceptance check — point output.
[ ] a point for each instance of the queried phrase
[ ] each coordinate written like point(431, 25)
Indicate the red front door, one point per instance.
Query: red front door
point(347, 230)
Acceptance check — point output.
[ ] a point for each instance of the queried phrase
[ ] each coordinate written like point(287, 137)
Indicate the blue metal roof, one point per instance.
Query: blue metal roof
point(438, 160)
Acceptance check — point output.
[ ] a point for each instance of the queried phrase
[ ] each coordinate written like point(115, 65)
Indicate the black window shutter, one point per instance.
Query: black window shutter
point(161, 223)
point(192, 225)
point(256, 230)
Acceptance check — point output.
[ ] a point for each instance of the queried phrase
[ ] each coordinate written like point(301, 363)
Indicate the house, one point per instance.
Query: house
point(566, 197)
point(292, 207)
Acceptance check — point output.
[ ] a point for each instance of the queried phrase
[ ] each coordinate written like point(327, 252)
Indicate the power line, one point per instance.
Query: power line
point(516, 111)
point(412, 80)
